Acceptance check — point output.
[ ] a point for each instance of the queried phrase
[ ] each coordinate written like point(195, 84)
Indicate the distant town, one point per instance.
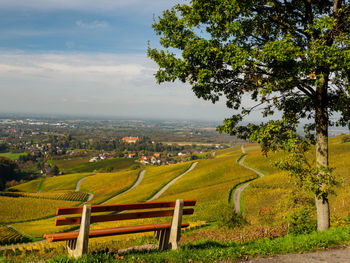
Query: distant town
point(44, 146)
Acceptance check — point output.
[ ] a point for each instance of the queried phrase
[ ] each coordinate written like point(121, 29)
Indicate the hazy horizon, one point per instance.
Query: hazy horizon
point(89, 58)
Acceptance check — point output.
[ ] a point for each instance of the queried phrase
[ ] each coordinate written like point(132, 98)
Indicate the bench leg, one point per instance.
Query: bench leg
point(175, 229)
point(79, 246)
point(163, 238)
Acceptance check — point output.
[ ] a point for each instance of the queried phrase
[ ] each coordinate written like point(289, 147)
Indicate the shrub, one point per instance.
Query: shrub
point(135, 166)
point(230, 218)
point(345, 138)
point(301, 223)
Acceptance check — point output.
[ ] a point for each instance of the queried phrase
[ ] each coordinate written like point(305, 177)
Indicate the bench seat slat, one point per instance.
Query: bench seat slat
point(125, 216)
point(110, 231)
point(121, 207)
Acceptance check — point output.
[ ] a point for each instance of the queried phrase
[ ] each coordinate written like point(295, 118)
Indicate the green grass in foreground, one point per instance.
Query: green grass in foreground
point(209, 251)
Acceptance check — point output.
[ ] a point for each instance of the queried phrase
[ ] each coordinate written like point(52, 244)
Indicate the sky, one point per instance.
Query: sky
point(87, 57)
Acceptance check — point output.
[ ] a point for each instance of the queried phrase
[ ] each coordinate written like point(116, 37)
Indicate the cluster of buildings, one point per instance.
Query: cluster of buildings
point(102, 156)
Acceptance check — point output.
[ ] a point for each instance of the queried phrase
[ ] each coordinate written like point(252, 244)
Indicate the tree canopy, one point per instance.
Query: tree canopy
point(8, 171)
point(289, 56)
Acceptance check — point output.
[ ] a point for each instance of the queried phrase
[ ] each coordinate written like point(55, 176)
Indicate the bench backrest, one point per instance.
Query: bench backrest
point(122, 208)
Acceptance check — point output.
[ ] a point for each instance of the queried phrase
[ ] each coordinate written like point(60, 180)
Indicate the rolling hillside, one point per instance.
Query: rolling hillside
point(267, 202)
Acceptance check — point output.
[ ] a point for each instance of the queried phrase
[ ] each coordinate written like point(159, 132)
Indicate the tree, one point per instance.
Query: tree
point(8, 171)
point(55, 170)
point(289, 56)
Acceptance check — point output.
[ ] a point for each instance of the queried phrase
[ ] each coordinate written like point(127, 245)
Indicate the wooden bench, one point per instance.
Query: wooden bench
point(168, 234)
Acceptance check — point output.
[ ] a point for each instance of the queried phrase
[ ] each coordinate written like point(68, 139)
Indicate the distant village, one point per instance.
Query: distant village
point(39, 145)
point(154, 158)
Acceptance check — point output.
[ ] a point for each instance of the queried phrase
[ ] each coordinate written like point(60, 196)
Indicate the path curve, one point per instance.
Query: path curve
point(239, 190)
point(161, 191)
point(139, 180)
point(77, 188)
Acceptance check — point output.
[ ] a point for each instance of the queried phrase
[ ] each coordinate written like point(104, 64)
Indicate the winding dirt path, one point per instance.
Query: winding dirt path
point(139, 180)
point(161, 191)
point(77, 188)
point(239, 190)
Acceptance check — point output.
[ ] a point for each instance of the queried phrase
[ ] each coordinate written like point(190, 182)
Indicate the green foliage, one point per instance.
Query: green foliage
point(12, 156)
point(345, 138)
point(281, 135)
point(134, 166)
point(290, 57)
point(229, 48)
point(230, 219)
point(301, 222)
point(8, 171)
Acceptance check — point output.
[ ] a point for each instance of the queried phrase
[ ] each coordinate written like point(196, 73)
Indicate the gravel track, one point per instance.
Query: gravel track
point(239, 190)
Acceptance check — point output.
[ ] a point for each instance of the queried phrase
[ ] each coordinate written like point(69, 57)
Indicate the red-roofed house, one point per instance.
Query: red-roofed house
point(130, 139)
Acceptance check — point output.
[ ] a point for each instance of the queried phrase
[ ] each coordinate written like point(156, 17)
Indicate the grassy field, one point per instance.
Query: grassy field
point(12, 156)
point(210, 184)
point(106, 185)
point(154, 178)
point(268, 201)
point(276, 196)
point(80, 165)
point(15, 209)
point(62, 182)
point(31, 186)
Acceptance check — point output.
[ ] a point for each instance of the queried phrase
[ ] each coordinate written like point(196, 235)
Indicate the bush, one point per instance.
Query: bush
point(230, 218)
point(134, 166)
point(345, 138)
point(301, 223)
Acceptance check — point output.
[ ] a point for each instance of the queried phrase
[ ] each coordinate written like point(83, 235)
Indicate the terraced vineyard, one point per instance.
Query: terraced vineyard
point(9, 236)
point(210, 184)
point(267, 202)
point(83, 165)
point(16, 209)
point(56, 195)
point(62, 182)
point(276, 196)
point(154, 179)
point(106, 185)
point(31, 186)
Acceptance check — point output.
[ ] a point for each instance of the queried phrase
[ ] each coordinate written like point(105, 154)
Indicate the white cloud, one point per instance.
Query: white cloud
point(92, 25)
point(81, 5)
point(98, 84)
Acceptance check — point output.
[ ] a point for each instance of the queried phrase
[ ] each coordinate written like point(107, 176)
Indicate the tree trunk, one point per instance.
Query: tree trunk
point(322, 204)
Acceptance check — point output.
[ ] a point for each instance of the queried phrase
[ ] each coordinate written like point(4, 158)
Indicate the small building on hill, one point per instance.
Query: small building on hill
point(130, 139)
